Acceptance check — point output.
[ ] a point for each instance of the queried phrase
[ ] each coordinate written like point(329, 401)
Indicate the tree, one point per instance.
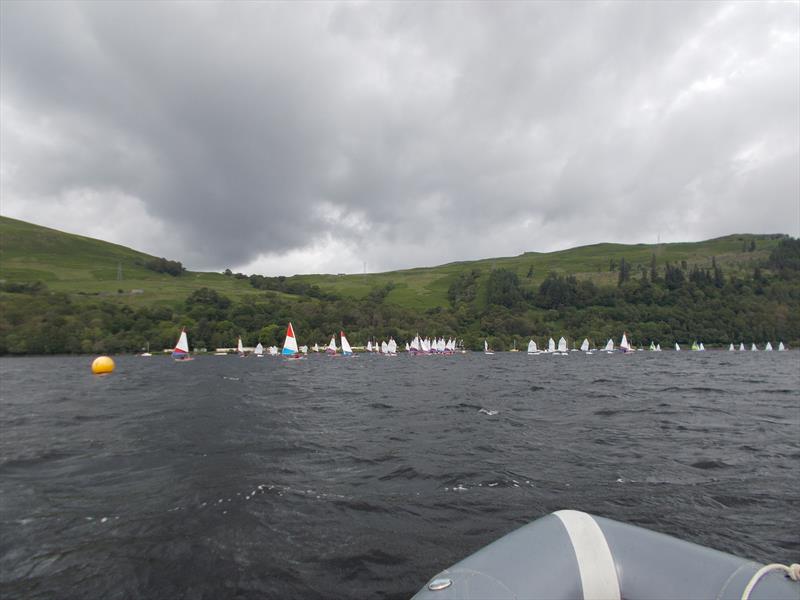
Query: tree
point(719, 280)
point(624, 272)
point(503, 288)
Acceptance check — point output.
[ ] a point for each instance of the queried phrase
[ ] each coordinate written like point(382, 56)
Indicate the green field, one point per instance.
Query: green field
point(85, 266)
point(426, 287)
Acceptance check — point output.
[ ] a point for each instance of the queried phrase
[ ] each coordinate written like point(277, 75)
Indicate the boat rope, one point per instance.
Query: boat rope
point(793, 572)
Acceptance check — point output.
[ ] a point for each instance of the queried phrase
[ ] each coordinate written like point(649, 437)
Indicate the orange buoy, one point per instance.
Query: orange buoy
point(102, 365)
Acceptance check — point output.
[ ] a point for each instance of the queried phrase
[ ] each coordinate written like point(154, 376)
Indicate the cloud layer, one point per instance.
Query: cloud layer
point(282, 138)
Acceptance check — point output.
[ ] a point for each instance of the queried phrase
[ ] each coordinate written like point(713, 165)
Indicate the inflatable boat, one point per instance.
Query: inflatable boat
point(571, 555)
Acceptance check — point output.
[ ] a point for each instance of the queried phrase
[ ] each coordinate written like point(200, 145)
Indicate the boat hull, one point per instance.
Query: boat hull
point(570, 554)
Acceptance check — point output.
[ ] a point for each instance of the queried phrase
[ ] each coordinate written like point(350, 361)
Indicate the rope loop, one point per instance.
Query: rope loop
point(792, 571)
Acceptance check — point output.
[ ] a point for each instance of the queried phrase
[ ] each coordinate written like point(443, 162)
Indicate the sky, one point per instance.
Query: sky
point(323, 137)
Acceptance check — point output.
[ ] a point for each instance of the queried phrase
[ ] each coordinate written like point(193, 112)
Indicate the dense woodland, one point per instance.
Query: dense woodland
point(662, 303)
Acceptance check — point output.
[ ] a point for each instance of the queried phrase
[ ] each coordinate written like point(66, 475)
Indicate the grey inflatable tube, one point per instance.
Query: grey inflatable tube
point(571, 555)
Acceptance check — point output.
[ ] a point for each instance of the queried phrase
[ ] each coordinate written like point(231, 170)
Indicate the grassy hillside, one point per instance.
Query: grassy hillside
point(424, 288)
point(76, 264)
point(81, 265)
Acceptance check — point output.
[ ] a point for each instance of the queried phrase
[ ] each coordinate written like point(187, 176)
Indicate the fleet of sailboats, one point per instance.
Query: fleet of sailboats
point(435, 345)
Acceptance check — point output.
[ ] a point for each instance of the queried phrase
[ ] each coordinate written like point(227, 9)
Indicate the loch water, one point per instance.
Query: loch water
point(361, 478)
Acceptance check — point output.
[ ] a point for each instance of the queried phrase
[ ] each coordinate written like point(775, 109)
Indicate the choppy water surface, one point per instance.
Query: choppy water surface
point(251, 478)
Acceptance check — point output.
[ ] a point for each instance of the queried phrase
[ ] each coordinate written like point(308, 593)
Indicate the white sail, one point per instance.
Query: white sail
point(768, 347)
point(183, 343)
point(331, 349)
point(531, 347)
point(585, 345)
point(346, 349)
point(658, 347)
point(702, 348)
point(259, 351)
point(781, 347)
point(609, 345)
point(384, 347)
point(408, 348)
point(392, 346)
point(677, 347)
point(369, 346)
point(415, 344)
point(240, 346)
point(273, 351)
point(562, 344)
point(316, 347)
point(551, 345)
point(741, 347)
point(753, 348)
point(485, 346)
point(731, 348)
point(623, 344)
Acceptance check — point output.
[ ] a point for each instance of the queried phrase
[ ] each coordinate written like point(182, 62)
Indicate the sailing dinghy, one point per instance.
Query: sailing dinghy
point(585, 346)
point(768, 347)
point(346, 349)
point(609, 346)
point(240, 347)
point(181, 351)
point(562, 347)
point(259, 350)
point(532, 348)
point(781, 347)
point(486, 348)
point(624, 346)
point(331, 349)
point(290, 349)
point(741, 347)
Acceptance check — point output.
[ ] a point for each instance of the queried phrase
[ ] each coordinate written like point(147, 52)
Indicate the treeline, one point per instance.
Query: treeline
point(162, 265)
point(665, 303)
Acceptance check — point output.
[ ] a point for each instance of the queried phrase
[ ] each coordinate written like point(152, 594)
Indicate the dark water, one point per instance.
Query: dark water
point(232, 478)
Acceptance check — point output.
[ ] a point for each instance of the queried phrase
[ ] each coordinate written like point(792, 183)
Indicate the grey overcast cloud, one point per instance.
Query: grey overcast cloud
point(282, 138)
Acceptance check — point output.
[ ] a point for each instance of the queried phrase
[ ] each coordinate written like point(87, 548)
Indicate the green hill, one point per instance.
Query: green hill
point(67, 293)
point(76, 264)
point(426, 287)
point(80, 265)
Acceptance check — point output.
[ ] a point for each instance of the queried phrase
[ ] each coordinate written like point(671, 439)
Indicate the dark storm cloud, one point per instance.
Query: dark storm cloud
point(401, 133)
